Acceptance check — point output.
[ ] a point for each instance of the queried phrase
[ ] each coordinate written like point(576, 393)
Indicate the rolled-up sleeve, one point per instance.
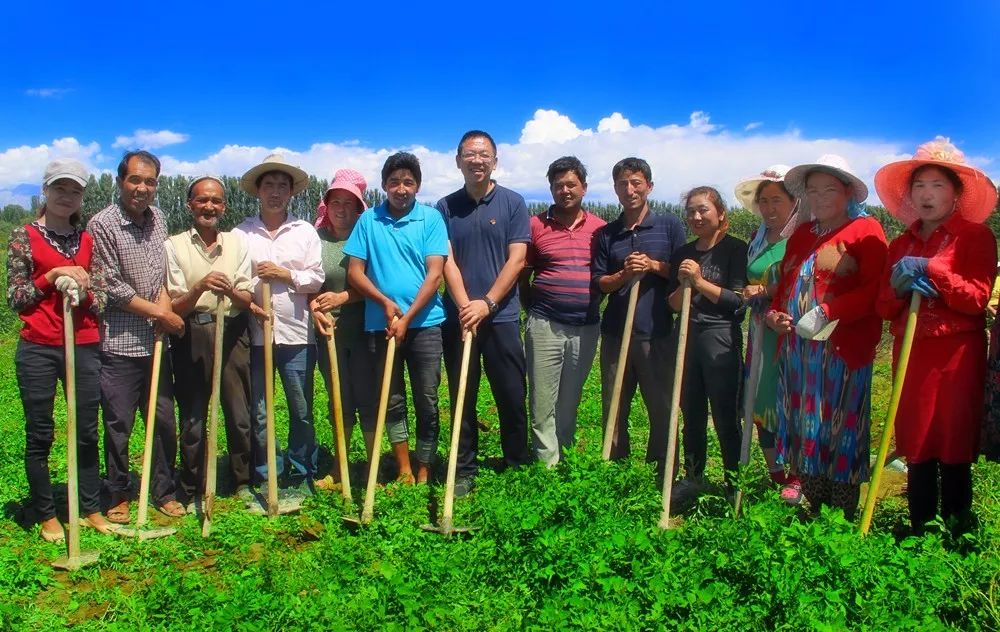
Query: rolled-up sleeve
point(309, 278)
point(176, 283)
point(119, 292)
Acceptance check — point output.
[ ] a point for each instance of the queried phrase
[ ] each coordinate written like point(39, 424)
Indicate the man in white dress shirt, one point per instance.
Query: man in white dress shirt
point(284, 251)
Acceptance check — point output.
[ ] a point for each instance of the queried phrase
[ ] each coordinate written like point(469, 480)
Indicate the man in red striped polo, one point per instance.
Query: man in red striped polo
point(560, 340)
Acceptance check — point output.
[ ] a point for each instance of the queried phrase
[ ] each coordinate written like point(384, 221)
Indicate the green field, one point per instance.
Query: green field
point(572, 547)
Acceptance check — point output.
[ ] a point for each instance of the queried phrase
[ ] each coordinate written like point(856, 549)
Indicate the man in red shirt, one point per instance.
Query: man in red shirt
point(560, 339)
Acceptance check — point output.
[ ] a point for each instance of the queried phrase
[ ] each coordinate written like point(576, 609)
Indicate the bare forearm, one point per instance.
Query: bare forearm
point(185, 304)
point(613, 282)
point(424, 295)
point(455, 284)
point(508, 276)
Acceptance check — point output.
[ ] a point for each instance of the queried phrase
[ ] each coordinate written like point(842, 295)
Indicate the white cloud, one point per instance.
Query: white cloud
point(47, 93)
point(614, 123)
point(25, 165)
point(549, 126)
point(681, 156)
point(149, 139)
point(752, 125)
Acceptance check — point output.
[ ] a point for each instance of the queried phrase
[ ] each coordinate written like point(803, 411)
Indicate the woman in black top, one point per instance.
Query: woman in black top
point(714, 265)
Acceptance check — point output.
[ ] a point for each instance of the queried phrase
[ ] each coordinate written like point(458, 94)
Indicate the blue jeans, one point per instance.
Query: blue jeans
point(295, 364)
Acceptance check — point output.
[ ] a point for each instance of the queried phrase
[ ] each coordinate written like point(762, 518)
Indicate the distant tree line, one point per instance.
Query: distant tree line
point(172, 198)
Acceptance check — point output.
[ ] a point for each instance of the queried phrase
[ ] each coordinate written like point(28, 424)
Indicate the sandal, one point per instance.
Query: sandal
point(53, 537)
point(104, 527)
point(327, 484)
point(120, 513)
point(791, 493)
point(172, 509)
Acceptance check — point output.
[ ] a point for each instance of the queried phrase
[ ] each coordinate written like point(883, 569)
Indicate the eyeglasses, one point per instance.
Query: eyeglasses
point(472, 155)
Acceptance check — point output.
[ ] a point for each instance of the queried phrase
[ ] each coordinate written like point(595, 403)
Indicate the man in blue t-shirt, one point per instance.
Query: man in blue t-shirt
point(397, 252)
point(489, 234)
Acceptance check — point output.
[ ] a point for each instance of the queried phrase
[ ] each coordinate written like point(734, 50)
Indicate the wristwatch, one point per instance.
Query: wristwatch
point(490, 304)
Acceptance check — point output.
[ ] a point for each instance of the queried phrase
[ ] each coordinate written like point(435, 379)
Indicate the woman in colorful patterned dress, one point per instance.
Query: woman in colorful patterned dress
point(766, 196)
point(46, 259)
point(949, 257)
point(824, 312)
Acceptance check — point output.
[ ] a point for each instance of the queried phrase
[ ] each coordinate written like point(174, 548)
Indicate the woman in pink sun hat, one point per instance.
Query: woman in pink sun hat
point(338, 211)
point(949, 257)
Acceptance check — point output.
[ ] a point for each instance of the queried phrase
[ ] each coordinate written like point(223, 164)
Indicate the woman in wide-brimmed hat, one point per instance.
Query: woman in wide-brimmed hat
point(766, 196)
point(338, 211)
point(824, 310)
point(949, 256)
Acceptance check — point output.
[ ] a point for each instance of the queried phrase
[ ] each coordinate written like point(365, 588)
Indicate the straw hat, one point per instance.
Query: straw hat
point(274, 162)
point(975, 203)
point(746, 190)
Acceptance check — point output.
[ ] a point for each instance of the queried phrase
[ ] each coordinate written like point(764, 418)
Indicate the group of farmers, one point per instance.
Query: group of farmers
point(817, 280)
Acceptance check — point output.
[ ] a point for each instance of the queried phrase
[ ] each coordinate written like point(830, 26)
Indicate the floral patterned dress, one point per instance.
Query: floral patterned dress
point(824, 419)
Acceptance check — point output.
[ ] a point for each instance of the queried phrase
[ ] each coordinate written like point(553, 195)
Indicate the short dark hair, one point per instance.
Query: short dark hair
point(764, 184)
point(715, 198)
point(632, 165)
point(142, 155)
point(260, 178)
point(956, 182)
point(564, 164)
point(401, 160)
point(476, 133)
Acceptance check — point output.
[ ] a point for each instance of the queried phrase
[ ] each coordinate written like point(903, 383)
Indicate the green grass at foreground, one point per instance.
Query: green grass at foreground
point(572, 547)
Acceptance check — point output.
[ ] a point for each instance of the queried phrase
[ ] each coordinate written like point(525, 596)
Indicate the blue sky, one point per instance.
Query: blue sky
point(772, 82)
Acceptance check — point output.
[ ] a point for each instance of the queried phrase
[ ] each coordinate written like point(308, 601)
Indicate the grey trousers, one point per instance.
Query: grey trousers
point(650, 366)
point(559, 359)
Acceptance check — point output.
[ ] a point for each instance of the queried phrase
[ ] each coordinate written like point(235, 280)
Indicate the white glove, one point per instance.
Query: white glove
point(69, 287)
point(814, 325)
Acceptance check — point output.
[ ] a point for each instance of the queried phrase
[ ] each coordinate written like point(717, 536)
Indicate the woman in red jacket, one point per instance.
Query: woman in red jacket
point(46, 259)
point(824, 311)
point(949, 257)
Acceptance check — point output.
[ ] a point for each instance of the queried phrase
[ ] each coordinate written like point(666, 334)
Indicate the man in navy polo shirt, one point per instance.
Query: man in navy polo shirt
point(636, 248)
point(488, 229)
point(560, 338)
point(397, 252)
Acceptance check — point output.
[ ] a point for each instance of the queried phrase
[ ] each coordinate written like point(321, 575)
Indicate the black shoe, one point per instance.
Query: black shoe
point(464, 485)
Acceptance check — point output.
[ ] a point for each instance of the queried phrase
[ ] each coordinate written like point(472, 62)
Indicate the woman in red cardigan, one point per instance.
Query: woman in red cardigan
point(46, 259)
point(949, 256)
point(824, 311)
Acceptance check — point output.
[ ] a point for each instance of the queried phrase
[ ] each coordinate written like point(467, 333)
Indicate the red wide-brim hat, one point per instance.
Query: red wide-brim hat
point(975, 203)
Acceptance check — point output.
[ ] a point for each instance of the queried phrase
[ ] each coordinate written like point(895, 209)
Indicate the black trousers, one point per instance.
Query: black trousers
point(922, 490)
point(193, 361)
point(499, 345)
point(125, 384)
point(712, 375)
point(38, 368)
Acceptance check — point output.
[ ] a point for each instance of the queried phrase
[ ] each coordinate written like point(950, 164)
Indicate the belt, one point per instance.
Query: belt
point(201, 318)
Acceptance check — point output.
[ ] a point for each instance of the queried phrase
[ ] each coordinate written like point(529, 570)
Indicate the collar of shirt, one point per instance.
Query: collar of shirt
point(952, 225)
point(416, 214)
point(126, 219)
point(196, 239)
point(486, 198)
point(257, 224)
point(559, 225)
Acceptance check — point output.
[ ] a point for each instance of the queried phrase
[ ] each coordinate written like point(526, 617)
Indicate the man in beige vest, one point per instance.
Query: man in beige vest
point(205, 266)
